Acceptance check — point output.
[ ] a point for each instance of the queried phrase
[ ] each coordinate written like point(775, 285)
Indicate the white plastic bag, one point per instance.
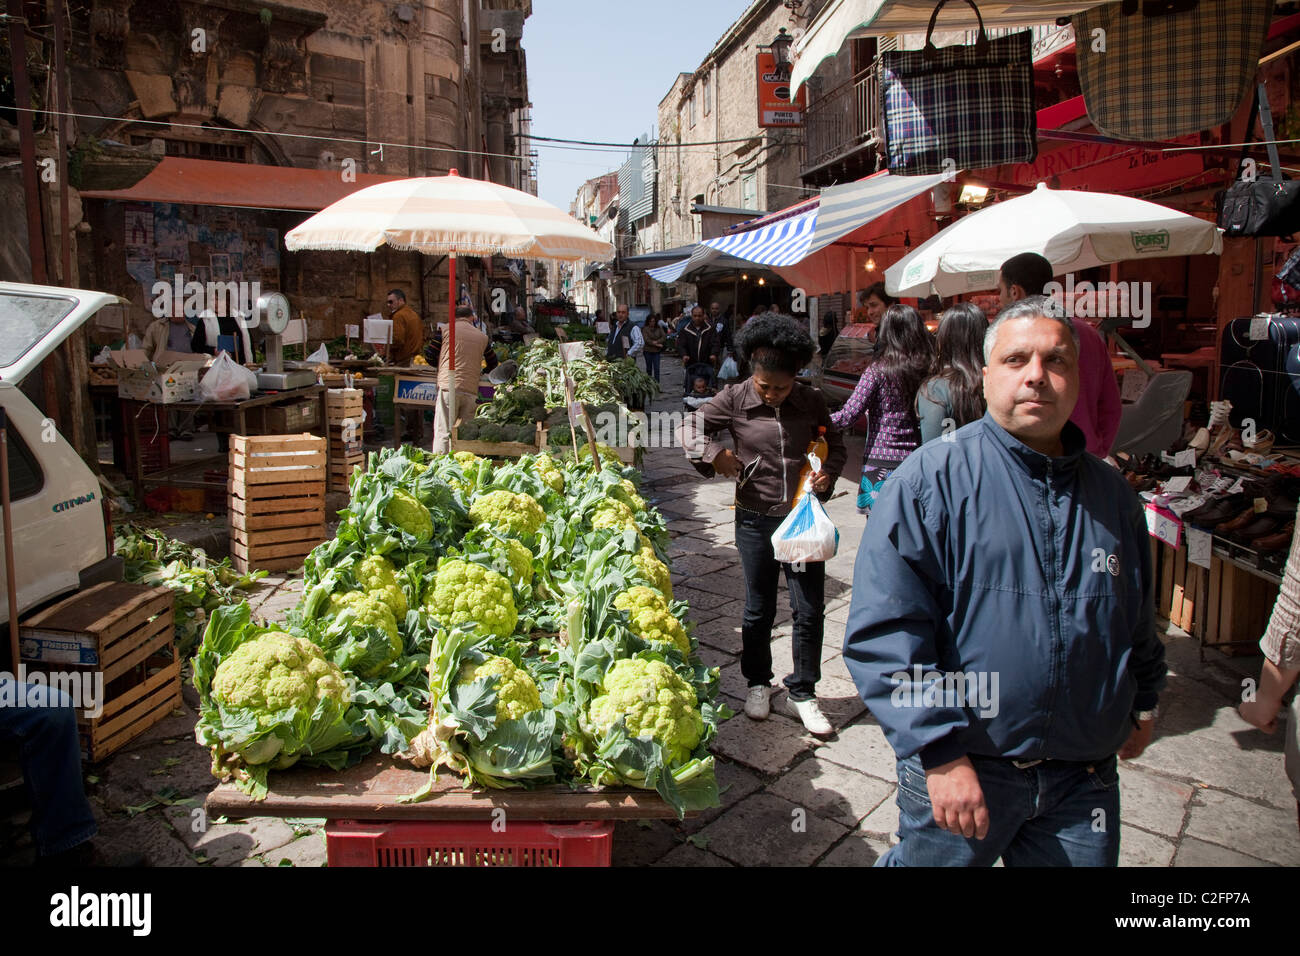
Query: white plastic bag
point(729, 369)
point(320, 357)
point(807, 533)
point(226, 381)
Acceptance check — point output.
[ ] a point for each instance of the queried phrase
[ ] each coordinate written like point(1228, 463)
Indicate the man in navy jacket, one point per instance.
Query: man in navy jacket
point(1002, 629)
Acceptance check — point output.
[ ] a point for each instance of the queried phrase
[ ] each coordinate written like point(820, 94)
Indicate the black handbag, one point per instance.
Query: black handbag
point(1260, 207)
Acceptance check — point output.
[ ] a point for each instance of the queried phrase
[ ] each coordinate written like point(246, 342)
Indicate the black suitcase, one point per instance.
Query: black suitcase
point(1261, 377)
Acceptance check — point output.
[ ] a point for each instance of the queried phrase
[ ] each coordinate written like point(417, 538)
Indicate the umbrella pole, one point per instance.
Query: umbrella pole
point(451, 312)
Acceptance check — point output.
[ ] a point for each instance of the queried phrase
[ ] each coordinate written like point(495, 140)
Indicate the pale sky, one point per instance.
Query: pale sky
point(597, 70)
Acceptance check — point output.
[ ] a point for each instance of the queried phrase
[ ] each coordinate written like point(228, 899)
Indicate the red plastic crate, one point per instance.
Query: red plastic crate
point(467, 843)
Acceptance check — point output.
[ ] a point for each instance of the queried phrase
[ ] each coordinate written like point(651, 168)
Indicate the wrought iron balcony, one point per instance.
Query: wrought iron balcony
point(843, 120)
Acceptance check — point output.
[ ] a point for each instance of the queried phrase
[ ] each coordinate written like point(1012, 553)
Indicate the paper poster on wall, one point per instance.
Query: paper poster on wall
point(138, 232)
point(142, 271)
point(220, 267)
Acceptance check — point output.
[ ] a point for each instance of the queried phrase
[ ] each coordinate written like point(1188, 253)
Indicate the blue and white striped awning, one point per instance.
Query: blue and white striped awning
point(787, 237)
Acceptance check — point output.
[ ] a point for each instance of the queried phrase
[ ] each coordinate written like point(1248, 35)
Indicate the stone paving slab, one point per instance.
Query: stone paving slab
point(862, 746)
point(1139, 848)
point(1151, 801)
point(690, 855)
point(1246, 827)
point(765, 830)
point(857, 849)
point(226, 844)
point(1196, 853)
point(768, 746)
point(831, 791)
point(882, 822)
point(642, 842)
point(307, 850)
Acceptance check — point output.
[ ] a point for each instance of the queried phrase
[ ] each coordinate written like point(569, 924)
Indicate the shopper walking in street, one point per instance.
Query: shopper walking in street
point(625, 339)
point(1281, 648)
point(771, 419)
point(654, 335)
point(886, 395)
point(1098, 410)
point(698, 345)
point(458, 393)
point(954, 395)
point(1002, 628)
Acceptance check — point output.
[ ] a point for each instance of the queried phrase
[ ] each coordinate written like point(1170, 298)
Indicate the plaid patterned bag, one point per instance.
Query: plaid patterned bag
point(973, 105)
point(1165, 75)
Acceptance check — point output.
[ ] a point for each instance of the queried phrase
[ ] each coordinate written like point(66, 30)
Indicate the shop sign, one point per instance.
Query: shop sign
point(774, 106)
point(1108, 167)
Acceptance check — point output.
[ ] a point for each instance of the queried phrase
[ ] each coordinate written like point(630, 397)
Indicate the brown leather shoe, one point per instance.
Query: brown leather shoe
point(1242, 519)
point(1275, 542)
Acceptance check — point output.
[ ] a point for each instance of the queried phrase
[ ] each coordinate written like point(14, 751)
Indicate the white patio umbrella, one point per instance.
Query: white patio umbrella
point(448, 215)
point(1072, 229)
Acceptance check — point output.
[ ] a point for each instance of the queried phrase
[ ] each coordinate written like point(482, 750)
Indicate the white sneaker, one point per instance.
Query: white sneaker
point(758, 703)
point(810, 713)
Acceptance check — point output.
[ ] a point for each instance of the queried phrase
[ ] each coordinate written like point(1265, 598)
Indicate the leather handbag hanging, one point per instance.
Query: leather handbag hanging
point(1164, 69)
point(960, 107)
point(1260, 206)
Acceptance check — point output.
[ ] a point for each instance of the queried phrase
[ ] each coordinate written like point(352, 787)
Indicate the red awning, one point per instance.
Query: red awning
point(205, 182)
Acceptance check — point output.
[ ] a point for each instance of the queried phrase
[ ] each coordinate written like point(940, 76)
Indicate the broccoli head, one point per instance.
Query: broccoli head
point(406, 513)
point(469, 592)
point(516, 692)
point(653, 702)
point(650, 618)
point(275, 671)
point(508, 512)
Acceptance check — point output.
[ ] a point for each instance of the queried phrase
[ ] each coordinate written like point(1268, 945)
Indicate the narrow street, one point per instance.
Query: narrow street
point(1210, 791)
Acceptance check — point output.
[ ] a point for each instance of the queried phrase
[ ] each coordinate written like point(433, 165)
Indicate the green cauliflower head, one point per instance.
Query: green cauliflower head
point(612, 513)
point(472, 465)
point(406, 513)
point(550, 472)
point(368, 610)
point(377, 576)
point(653, 702)
point(516, 692)
point(469, 592)
point(606, 453)
point(508, 512)
point(653, 570)
point(276, 670)
point(521, 561)
point(626, 492)
point(650, 618)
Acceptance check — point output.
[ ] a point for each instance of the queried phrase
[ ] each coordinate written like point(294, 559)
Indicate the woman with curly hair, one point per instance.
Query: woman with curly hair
point(886, 394)
point(771, 418)
point(954, 394)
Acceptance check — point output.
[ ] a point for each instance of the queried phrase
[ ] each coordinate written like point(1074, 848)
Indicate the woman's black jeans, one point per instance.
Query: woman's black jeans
point(807, 600)
point(652, 364)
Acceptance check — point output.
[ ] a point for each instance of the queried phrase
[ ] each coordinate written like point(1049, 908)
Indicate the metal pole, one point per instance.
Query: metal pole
point(64, 122)
point(26, 142)
point(10, 583)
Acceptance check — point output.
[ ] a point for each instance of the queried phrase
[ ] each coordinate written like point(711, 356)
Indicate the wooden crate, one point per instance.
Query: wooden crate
point(124, 633)
point(341, 469)
point(499, 449)
point(276, 509)
point(1238, 605)
point(343, 403)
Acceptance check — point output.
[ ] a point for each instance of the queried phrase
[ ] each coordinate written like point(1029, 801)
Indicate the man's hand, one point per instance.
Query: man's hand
point(957, 799)
point(821, 482)
point(1138, 740)
point(1261, 714)
point(727, 464)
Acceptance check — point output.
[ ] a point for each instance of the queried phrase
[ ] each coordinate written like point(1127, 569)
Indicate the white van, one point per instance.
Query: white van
point(62, 534)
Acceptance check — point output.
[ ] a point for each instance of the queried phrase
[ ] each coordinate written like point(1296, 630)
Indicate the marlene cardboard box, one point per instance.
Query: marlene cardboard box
point(175, 378)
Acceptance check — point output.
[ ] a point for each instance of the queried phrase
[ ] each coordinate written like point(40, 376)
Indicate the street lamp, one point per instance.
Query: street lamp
point(781, 53)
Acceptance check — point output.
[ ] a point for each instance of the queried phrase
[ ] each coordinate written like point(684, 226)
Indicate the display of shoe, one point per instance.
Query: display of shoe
point(1200, 441)
point(1215, 512)
point(1244, 517)
point(808, 711)
point(1263, 443)
point(759, 703)
point(1264, 525)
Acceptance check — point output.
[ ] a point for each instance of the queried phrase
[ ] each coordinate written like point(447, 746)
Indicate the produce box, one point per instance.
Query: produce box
point(284, 419)
point(276, 512)
point(501, 449)
point(120, 637)
point(468, 843)
point(174, 379)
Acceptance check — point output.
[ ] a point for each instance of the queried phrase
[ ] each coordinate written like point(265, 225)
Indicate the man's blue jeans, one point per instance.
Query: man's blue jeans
point(1055, 813)
point(46, 728)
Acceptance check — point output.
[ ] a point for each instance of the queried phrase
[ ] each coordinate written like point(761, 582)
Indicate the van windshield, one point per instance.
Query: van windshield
point(25, 320)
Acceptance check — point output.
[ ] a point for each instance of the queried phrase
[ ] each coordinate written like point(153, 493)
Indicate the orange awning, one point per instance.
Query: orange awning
point(205, 182)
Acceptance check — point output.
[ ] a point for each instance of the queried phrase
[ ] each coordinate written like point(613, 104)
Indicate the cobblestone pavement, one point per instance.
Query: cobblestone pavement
point(1210, 791)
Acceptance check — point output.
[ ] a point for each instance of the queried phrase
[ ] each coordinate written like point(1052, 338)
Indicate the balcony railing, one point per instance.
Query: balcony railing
point(843, 120)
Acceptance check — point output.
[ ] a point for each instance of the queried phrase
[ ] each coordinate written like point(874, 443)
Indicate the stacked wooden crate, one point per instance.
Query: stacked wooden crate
point(276, 510)
point(112, 646)
point(343, 407)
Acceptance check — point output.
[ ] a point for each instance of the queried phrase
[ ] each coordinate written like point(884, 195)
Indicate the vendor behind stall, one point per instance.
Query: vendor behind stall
point(225, 334)
point(167, 334)
point(408, 333)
